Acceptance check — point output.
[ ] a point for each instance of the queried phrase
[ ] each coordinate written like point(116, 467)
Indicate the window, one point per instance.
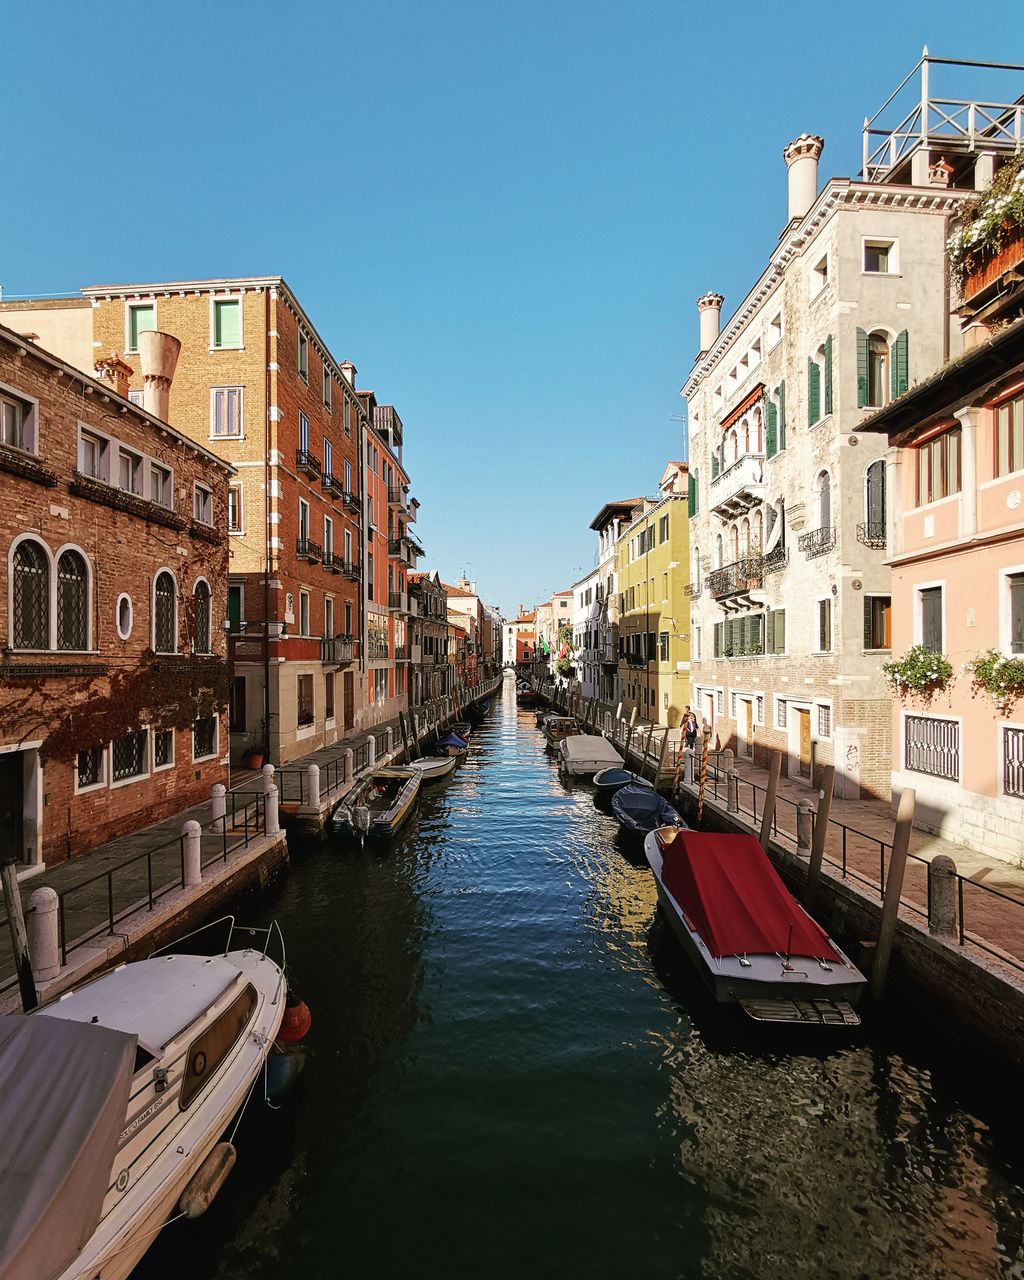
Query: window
point(369, 575)
point(1016, 585)
point(663, 529)
point(303, 613)
point(303, 433)
point(824, 721)
point(877, 361)
point(303, 520)
point(235, 508)
point(303, 356)
point(328, 538)
point(824, 626)
point(208, 1051)
point(305, 700)
point(163, 749)
point(663, 647)
point(775, 330)
point(141, 319)
point(348, 619)
point(780, 713)
point(90, 768)
point(877, 622)
point(225, 413)
point(204, 738)
point(931, 618)
point(1009, 436)
point(202, 504)
point(880, 257)
point(136, 396)
point(348, 478)
point(129, 471)
point(329, 695)
point(164, 619)
point(819, 276)
point(17, 422)
point(201, 598)
point(92, 455)
point(348, 546)
point(227, 323)
point(938, 467)
point(1013, 760)
point(932, 746)
point(329, 616)
point(824, 500)
point(72, 602)
point(327, 387)
point(235, 614)
point(31, 568)
point(328, 459)
point(775, 631)
point(125, 616)
point(159, 485)
point(128, 756)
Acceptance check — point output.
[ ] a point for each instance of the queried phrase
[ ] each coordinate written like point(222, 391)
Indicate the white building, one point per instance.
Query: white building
point(608, 525)
point(586, 612)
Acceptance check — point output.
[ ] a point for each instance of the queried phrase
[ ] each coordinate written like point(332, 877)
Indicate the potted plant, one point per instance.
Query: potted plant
point(1002, 679)
point(921, 672)
point(256, 750)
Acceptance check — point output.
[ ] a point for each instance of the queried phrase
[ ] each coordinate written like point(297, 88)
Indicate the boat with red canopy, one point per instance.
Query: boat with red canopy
point(749, 937)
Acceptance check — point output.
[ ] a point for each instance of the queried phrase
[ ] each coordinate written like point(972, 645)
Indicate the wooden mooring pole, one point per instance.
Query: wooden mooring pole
point(774, 768)
point(828, 780)
point(893, 890)
point(19, 935)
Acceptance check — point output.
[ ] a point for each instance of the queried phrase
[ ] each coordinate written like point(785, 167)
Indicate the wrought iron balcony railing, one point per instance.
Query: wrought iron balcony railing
point(693, 589)
point(872, 534)
point(334, 563)
point(332, 485)
point(307, 549)
point(775, 560)
point(351, 570)
point(306, 462)
point(736, 578)
point(350, 499)
point(816, 542)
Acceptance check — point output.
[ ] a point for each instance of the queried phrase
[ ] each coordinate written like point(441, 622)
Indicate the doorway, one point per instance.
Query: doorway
point(348, 690)
point(804, 721)
point(746, 727)
point(12, 805)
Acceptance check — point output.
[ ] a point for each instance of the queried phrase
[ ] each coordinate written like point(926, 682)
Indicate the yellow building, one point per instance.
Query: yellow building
point(654, 605)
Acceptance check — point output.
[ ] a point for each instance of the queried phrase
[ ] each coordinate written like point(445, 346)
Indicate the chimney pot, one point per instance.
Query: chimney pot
point(710, 307)
point(349, 371)
point(158, 356)
point(801, 157)
point(113, 370)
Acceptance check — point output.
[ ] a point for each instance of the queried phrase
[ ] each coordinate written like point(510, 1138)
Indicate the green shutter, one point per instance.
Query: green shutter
point(771, 432)
point(862, 368)
point(141, 319)
point(227, 324)
point(813, 393)
point(782, 415)
point(828, 374)
point(780, 631)
point(898, 364)
point(718, 638)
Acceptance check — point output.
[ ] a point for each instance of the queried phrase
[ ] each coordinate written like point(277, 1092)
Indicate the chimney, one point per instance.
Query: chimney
point(349, 371)
point(710, 308)
point(801, 157)
point(116, 372)
point(158, 355)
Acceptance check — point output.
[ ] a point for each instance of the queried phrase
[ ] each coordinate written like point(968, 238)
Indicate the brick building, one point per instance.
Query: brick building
point(113, 672)
point(428, 670)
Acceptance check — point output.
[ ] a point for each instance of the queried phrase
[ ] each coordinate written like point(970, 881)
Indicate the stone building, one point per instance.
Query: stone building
point(586, 613)
point(790, 621)
point(428, 670)
point(114, 678)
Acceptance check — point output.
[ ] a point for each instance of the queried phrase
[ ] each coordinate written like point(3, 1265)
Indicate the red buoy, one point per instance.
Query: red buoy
point(296, 1021)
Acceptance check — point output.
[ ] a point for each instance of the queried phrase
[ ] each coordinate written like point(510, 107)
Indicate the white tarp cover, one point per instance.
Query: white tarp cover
point(585, 750)
point(64, 1089)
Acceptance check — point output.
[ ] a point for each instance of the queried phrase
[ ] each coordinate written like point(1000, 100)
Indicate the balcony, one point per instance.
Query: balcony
point(307, 549)
point(350, 500)
point(398, 550)
point(693, 589)
point(332, 485)
point(396, 498)
point(401, 653)
point(414, 547)
point(414, 607)
point(398, 601)
point(351, 570)
point(775, 561)
point(817, 542)
point(307, 464)
point(737, 579)
point(333, 563)
point(337, 650)
point(872, 534)
point(739, 487)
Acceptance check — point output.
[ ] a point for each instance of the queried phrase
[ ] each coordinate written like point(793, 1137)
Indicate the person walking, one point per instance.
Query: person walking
point(690, 731)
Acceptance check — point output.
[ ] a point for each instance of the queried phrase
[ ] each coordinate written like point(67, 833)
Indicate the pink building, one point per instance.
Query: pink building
point(955, 540)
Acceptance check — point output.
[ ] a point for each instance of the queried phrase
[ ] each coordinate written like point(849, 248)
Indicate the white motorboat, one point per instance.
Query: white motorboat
point(113, 1102)
point(750, 939)
point(585, 754)
point(434, 768)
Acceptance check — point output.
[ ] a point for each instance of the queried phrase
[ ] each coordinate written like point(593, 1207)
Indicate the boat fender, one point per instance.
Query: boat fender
point(296, 1021)
point(283, 1069)
point(207, 1180)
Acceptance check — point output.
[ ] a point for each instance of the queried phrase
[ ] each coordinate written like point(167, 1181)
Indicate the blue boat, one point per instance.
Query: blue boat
point(641, 810)
point(450, 745)
point(614, 779)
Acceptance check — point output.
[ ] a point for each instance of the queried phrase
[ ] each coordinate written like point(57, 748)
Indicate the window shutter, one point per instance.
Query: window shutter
point(782, 415)
point(691, 495)
point(772, 429)
point(898, 364)
point(813, 393)
point(714, 466)
point(780, 631)
point(862, 368)
point(867, 623)
point(828, 374)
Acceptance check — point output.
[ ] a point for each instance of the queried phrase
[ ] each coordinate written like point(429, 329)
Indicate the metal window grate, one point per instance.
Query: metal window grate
point(781, 713)
point(31, 597)
point(932, 746)
point(90, 767)
point(128, 754)
point(825, 721)
point(164, 638)
point(163, 748)
point(1013, 762)
point(201, 642)
point(72, 618)
point(204, 737)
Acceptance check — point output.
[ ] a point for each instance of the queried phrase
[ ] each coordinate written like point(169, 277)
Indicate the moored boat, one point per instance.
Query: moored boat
point(585, 754)
point(641, 809)
point(555, 728)
point(527, 697)
point(115, 1099)
point(380, 804)
point(462, 728)
point(750, 939)
point(434, 768)
point(477, 710)
point(613, 779)
point(450, 745)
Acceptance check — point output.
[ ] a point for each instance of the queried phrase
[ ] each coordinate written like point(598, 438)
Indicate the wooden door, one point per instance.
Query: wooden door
point(748, 740)
point(12, 804)
point(349, 695)
point(805, 743)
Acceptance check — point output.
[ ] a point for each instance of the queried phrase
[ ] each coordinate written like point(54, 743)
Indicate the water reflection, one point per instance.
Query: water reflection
point(514, 1070)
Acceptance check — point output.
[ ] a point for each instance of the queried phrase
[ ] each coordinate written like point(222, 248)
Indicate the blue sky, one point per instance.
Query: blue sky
point(501, 213)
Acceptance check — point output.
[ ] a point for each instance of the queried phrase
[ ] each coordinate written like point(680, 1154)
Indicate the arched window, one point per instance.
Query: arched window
point(718, 551)
point(734, 445)
point(695, 571)
point(746, 435)
point(734, 542)
point(758, 440)
point(878, 369)
point(164, 614)
point(31, 629)
point(824, 501)
point(745, 537)
point(874, 500)
point(201, 639)
point(758, 532)
point(72, 602)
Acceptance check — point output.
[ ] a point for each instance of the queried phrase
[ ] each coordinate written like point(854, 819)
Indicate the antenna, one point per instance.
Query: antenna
point(681, 419)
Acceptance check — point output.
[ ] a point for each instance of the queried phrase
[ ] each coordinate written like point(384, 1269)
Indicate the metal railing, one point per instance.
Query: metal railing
point(736, 578)
point(932, 746)
point(307, 549)
point(306, 461)
point(1013, 762)
point(816, 542)
point(872, 534)
point(350, 500)
point(332, 485)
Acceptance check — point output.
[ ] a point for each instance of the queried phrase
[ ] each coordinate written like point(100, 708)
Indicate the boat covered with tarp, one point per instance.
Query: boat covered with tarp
point(750, 939)
point(584, 754)
point(641, 809)
point(450, 745)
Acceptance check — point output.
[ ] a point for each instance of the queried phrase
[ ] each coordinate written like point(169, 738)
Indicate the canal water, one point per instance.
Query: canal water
point(512, 1073)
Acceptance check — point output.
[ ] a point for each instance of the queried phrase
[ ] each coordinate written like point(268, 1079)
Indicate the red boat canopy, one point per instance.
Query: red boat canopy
point(733, 897)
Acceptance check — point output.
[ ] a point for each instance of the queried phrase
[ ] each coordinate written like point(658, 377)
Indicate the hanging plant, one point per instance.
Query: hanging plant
point(564, 667)
point(920, 673)
point(989, 221)
point(1001, 679)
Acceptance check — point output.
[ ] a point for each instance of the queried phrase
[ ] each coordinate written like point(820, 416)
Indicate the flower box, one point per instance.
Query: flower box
point(993, 264)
